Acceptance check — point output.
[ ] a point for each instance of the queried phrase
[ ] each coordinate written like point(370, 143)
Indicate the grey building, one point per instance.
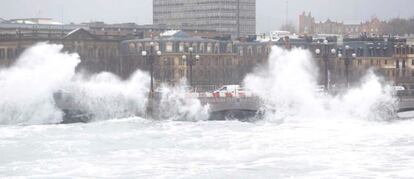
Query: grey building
point(231, 17)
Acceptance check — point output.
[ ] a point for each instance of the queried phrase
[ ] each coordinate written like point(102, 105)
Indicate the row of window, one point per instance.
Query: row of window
point(8, 53)
point(397, 63)
point(200, 48)
point(203, 62)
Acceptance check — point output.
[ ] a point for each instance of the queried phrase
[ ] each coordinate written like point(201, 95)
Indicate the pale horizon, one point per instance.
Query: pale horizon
point(79, 11)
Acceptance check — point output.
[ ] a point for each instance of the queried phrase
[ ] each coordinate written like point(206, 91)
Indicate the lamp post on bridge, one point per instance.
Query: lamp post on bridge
point(325, 55)
point(401, 52)
point(190, 61)
point(349, 56)
point(150, 57)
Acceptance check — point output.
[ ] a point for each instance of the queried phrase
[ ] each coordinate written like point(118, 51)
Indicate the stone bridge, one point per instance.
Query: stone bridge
point(221, 108)
point(406, 104)
point(232, 107)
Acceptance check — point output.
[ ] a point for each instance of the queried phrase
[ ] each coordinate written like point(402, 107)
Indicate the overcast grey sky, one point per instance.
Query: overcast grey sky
point(271, 14)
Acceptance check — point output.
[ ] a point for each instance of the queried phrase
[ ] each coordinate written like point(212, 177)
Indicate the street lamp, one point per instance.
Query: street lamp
point(190, 61)
point(325, 55)
point(401, 54)
point(150, 56)
point(348, 60)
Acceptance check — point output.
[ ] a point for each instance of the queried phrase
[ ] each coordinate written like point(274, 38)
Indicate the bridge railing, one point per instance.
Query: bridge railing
point(405, 94)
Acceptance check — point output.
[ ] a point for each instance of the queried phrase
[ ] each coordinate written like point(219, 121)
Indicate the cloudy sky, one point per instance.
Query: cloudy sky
point(271, 14)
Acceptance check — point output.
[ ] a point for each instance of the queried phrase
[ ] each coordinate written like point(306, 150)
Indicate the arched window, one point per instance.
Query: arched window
point(181, 47)
point(156, 46)
point(250, 50)
point(229, 48)
point(201, 48)
point(209, 47)
point(169, 47)
point(139, 48)
point(194, 45)
point(217, 48)
point(132, 47)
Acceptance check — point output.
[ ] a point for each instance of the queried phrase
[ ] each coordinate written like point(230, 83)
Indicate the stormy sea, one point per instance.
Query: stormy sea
point(302, 134)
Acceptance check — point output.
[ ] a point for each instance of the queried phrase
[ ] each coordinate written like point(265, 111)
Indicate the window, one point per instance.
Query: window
point(139, 48)
point(229, 48)
point(91, 52)
point(10, 53)
point(181, 48)
point(249, 50)
point(195, 47)
point(101, 54)
point(131, 47)
point(412, 62)
point(386, 62)
point(209, 48)
point(201, 50)
point(169, 47)
point(157, 46)
point(2, 54)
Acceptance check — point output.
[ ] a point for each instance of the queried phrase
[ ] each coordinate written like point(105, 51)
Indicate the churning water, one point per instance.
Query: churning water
point(304, 134)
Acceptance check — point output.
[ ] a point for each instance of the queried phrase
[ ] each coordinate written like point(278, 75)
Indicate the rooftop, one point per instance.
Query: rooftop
point(43, 21)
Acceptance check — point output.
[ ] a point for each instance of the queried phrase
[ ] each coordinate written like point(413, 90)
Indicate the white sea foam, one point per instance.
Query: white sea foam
point(27, 87)
point(315, 137)
point(177, 104)
point(288, 86)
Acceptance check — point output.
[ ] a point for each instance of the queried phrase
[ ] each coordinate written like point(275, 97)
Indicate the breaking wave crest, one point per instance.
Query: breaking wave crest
point(28, 89)
point(176, 105)
point(288, 87)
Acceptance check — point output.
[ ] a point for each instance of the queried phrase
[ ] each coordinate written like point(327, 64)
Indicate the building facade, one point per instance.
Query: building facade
point(230, 17)
point(308, 26)
point(221, 61)
point(390, 58)
point(97, 54)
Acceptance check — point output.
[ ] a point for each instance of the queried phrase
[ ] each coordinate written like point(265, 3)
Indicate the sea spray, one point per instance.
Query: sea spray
point(177, 103)
point(287, 84)
point(288, 88)
point(27, 87)
point(105, 96)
